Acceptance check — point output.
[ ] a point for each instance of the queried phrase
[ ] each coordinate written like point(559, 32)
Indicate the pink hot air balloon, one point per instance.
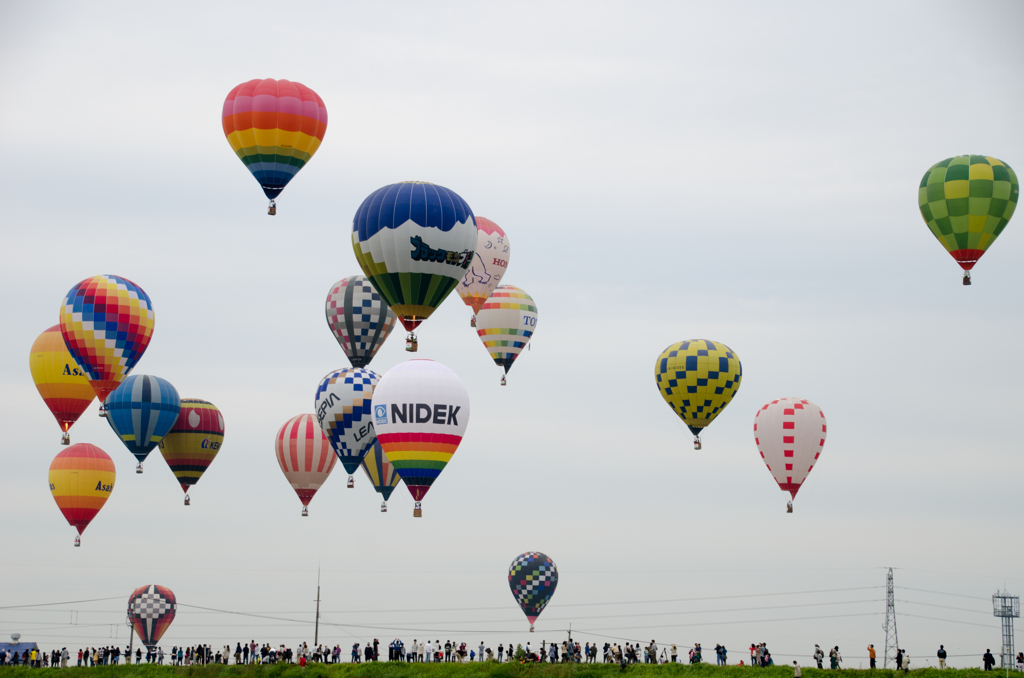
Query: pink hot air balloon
point(790, 434)
point(305, 456)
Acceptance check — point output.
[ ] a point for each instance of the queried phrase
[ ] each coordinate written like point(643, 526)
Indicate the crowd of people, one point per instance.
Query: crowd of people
point(568, 651)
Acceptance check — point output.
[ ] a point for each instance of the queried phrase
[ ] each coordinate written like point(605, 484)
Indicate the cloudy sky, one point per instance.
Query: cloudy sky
point(743, 173)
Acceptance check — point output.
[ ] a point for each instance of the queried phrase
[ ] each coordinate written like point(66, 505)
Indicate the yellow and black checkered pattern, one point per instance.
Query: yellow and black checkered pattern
point(698, 378)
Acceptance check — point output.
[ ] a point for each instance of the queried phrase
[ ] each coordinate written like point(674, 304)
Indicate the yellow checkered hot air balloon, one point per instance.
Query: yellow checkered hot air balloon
point(698, 378)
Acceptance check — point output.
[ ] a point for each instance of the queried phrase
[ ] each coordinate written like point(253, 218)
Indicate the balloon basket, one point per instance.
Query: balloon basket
point(272, 208)
point(188, 501)
point(531, 628)
point(417, 510)
point(503, 382)
point(351, 482)
point(78, 541)
point(305, 511)
point(65, 439)
point(411, 344)
point(138, 469)
point(383, 507)
point(472, 321)
point(103, 410)
point(967, 277)
point(696, 442)
point(789, 507)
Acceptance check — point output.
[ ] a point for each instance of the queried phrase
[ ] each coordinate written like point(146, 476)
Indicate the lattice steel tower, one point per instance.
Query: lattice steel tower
point(892, 643)
point(1006, 607)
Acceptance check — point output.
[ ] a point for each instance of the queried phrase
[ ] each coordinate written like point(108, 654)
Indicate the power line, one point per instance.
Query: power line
point(66, 602)
point(947, 607)
point(950, 621)
point(942, 593)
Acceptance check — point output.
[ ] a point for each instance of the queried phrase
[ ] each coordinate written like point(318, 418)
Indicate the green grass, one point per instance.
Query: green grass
point(479, 670)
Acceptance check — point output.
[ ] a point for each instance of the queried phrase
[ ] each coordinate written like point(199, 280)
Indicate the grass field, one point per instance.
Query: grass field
point(479, 670)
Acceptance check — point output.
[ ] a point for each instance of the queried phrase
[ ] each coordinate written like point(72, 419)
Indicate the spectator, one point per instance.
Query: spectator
point(941, 654)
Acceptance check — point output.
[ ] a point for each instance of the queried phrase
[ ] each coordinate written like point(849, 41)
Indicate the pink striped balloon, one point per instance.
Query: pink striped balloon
point(305, 456)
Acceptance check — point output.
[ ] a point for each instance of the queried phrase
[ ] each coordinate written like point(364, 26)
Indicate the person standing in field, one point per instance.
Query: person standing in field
point(906, 663)
point(796, 670)
point(989, 660)
point(819, 655)
point(871, 655)
point(941, 654)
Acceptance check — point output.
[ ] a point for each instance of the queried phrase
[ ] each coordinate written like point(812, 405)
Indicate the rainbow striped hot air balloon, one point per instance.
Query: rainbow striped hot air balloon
point(505, 324)
point(59, 380)
point(192, 443)
point(81, 480)
point(275, 127)
point(107, 322)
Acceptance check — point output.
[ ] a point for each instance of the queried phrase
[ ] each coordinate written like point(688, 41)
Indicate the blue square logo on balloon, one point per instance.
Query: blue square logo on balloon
point(381, 413)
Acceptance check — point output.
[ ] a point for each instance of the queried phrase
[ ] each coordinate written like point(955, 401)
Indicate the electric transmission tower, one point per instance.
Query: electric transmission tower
point(892, 643)
point(1006, 607)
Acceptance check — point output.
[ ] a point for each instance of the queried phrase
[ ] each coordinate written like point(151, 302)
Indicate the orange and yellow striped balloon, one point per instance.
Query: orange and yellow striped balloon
point(81, 480)
point(59, 380)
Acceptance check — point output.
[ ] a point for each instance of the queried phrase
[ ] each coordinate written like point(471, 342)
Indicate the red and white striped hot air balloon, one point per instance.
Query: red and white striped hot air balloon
point(305, 456)
point(790, 434)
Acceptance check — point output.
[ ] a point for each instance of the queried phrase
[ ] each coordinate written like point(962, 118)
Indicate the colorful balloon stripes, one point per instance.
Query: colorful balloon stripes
point(304, 455)
point(359, 319)
point(81, 480)
point(194, 441)
point(505, 324)
point(152, 609)
point(141, 411)
point(59, 380)
point(380, 471)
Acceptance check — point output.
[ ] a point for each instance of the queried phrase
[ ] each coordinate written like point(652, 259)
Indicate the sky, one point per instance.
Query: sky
point(740, 172)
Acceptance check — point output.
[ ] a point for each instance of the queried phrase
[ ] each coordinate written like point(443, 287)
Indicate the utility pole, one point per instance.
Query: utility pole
point(316, 636)
point(892, 643)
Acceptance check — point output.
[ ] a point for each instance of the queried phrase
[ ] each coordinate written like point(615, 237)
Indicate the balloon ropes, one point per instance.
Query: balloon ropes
point(359, 319)
point(415, 242)
point(60, 382)
point(698, 379)
point(141, 411)
point(192, 443)
point(790, 435)
point(967, 202)
point(533, 577)
point(107, 323)
point(490, 261)
point(505, 324)
point(81, 480)
point(151, 610)
point(305, 457)
point(274, 127)
point(420, 411)
point(343, 402)
point(381, 473)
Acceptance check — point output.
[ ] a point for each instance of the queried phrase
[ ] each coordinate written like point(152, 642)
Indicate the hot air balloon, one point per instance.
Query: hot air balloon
point(141, 411)
point(305, 456)
point(275, 127)
point(414, 241)
point(420, 410)
point(967, 202)
point(81, 480)
point(342, 407)
point(490, 261)
point(505, 324)
point(790, 435)
point(151, 610)
point(359, 319)
point(698, 378)
point(381, 473)
point(192, 443)
point(107, 323)
point(533, 577)
point(59, 380)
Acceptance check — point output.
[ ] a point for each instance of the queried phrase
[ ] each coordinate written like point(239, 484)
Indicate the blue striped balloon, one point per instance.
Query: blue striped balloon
point(141, 411)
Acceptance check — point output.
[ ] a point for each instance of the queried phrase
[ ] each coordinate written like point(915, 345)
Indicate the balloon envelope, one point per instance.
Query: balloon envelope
point(343, 402)
point(489, 264)
point(698, 379)
point(533, 577)
point(107, 322)
point(967, 202)
point(151, 609)
point(420, 411)
point(414, 241)
point(790, 435)
point(192, 443)
point(359, 319)
point(380, 471)
point(59, 380)
point(505, 324)
point(274, 127)
point(304, 455)
point(81, 480)
point(141, 411)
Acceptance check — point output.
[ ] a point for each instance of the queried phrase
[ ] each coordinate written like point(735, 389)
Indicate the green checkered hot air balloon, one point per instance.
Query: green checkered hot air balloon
point(967, 202)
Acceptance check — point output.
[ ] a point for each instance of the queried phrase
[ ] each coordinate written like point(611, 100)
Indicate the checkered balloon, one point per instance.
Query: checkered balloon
point(532, 576)
point(151, 609)
point(698, 379)
point(359, 319)
point(343, 410)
